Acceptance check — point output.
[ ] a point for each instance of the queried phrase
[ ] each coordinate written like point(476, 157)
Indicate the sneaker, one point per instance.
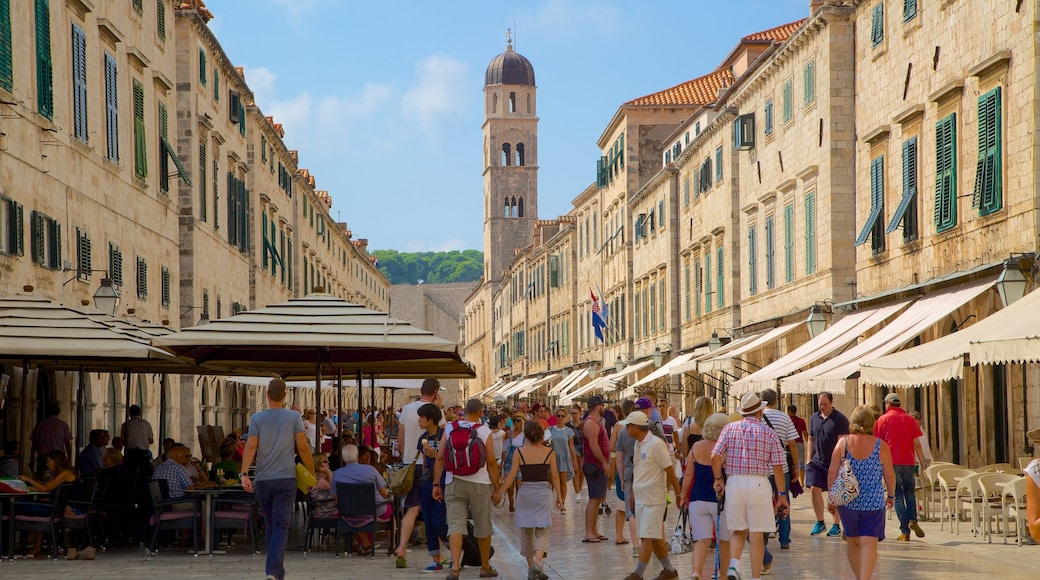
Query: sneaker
point(903, 538)
point(577, 499)
point(435, 567)
point(400, 562)
point(834, 531)
point(916, 528)
point(817, 529)
point(785, 546)
point(768, 568)
point(733, 574)
point(667, 575)
point(88, 553)
point(633, 576)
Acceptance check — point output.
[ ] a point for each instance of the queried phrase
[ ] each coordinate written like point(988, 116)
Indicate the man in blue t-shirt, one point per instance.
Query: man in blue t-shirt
point(275, 437)
point(826, 427)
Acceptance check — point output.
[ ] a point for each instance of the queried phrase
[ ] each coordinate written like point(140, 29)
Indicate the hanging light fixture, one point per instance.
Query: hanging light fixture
point(658, 356)
point(1011, 285)
point(816, 323)
point(619, 364)
point(714, 343)
point(106, 297)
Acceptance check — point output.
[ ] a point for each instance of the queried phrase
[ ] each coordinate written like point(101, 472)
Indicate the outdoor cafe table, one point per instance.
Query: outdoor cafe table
point(207, 512)
point(11, 499)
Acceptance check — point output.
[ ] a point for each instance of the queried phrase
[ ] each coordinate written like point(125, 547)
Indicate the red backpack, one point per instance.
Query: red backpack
point(466, 453)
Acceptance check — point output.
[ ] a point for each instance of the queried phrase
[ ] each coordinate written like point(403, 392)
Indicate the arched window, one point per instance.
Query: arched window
point(512, 102)
point(528, 103)
point(506, 154)
point(520, 207)
point(113, 403)
point(520, 154)
point(506, 206)
point(513, 207)
point(494, 102)
point(205, 401)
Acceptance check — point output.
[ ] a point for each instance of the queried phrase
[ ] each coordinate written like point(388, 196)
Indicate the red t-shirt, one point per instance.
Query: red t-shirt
point(899, 430)
point(799, 425)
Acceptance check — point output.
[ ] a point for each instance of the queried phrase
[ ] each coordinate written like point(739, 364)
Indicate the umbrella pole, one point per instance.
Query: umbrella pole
point(360, 407)
point(162, 405)
point(372, 415)
point(21, 434)
point(317, 403)
point(80, 387)
point(127, 405)
point(339, 401)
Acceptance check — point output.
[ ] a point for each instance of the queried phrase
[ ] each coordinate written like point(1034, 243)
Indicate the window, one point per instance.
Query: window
point(877, 24)
point(744, 132)
point(115, 264)
point(719, 279)
point(660, 306)
point(789, 243)
point(83, 255)
point(752, 260)
point(12, 235)
point(46, 241)
point(142, 278)
point(216, 85)
point(202, 67)
point(988, 195)
point(263, 151)
point(660, 214)
point(165, 299)
point(872, 227)
point(698, 287)
point(202, 177)
point(707, 282)
point(686, 191)
point(160, 19)
point(6, 50)
point(788, 102)
point(140, 144)
point(768, 129)
point(810, 233)
point(79, 83)
point(906, 211)
point(111, 109)
point(770, 252)
point(809, 75)
point(44, 66)
point(909, 10)
point(686, 292)
point(138, 6)
point(718, 163)
point(946, 173)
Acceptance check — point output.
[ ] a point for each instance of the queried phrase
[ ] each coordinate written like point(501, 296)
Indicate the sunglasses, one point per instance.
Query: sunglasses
point(561, 416)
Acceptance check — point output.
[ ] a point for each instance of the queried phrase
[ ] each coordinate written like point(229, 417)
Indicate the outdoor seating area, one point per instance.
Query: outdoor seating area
point(990, 499)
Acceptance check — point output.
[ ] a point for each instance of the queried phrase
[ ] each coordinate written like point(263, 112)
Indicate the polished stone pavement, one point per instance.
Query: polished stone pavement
point(938, 555)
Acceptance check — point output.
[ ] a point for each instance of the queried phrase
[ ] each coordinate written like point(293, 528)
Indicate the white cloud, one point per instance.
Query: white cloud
point(566, 18)
point(441, 92)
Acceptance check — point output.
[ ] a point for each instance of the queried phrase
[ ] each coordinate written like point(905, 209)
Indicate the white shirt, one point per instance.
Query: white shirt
point(409, 424)
point(649, 481)
point(311, 431)
point(484, 432)
point(499, 439)
point(670, 422)
point(784, 427)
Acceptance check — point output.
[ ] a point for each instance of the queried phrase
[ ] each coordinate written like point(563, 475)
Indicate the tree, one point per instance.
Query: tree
point(431, 267)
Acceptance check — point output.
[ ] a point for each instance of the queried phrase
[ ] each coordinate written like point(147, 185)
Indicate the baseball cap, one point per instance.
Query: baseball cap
point(643, 403)
point(893, 398)
point(595, 401)
point(635, 418)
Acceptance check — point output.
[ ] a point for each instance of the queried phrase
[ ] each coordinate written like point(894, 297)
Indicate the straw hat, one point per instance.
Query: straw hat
point(751, 404)
point(1034, 435)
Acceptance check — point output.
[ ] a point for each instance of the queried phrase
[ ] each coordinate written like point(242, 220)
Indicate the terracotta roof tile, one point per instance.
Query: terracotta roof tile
point(777, 34)
point(699, 91)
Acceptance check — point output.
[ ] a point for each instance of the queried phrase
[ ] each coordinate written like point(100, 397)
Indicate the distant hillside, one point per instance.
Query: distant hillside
point(430, 267)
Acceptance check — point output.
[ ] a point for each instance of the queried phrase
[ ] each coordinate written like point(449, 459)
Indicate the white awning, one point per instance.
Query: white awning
point(662, 372)
point(537, 385)
point(833, 339)
point(725, 360)
point(703, 353)
point(919, 317)
point(605, 382)
point(1001, 337)
point(411, 384)
point(499, 389)
point(516, 387)
point(480, 394)
point(571, 379)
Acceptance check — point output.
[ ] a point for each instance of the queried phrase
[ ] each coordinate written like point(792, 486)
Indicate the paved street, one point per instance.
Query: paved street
point(939, 555)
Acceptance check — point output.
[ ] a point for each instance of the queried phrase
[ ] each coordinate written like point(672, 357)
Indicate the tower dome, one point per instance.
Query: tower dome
point(509, 68)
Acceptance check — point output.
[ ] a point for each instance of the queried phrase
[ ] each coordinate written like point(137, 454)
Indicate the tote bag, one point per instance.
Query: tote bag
point(845, 487)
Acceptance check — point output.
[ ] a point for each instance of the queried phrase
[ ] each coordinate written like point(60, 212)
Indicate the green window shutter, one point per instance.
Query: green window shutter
point(37, 239)
point(202, 67)
point(111, 108)
point(946, 173)
point(142, 278)
point(55, 244)
point(284, 256)
point(720, 280)
point(909, 185)
point(289, 262)
point(769, 117)
point(6, 50)
point(718, 163)
point(988, 195)
point(788, 104)
point(697, 287)
point(115, 264)
point(216, 84)
point(707, 282)
point(17, 246)
point(909, 10)
point(202, 179)
point(877, 193)
point(216, 195)
point(164, 121)
point(770, 253)
point(263, 149)
point(686, 292)
point(160, 23)
point(810, 233)
point(44, 65)
point(877, 24)
point(79, 83)
point(165, 298)
point(752, 260)
point(140, 144)
point(138, 6)
point(789, 243)
point(810, 82)
point(263, 228)
point(242, 119)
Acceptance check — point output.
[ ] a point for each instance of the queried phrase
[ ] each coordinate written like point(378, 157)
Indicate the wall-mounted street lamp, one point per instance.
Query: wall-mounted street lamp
point(816, 323)
point(619, 364)
point(106, 297)
point(715, 343)
point(1011, 285)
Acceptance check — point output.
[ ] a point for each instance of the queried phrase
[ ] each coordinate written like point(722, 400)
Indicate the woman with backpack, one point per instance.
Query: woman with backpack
point(535, 463)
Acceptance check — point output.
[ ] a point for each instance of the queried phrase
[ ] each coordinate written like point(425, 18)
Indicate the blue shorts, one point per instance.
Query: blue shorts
point(816, 476)
point(595, 480)
point(870, 523)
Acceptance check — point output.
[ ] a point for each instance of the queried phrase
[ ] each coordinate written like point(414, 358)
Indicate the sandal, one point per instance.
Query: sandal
point(488, 572)
point(365, 551)
point(591, 540)
point(453, 575)
point(621, 543)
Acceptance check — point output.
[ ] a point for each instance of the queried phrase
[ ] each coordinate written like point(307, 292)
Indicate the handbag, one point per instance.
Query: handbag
point(845, 487)
point(402, 480)
point(304, 479)
point(682, 539)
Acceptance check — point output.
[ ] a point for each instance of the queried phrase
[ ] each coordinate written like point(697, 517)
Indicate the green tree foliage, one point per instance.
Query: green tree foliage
point(430, 267)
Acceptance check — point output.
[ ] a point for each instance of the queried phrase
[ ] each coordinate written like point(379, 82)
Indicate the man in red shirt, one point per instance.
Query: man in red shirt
point(803, 434)
point(901, 431)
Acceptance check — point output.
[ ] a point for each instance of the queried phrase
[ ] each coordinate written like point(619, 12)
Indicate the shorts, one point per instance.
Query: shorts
point(618, 489)
point(532, 540)
point(800, 446)
point(596, 479)
point(869, 523)
point(749, 504)
point(702, 520)
point(816, 476)
point(651, 521)
point(460, 498)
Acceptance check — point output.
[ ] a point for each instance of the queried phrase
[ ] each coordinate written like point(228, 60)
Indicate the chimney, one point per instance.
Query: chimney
point(815, 4)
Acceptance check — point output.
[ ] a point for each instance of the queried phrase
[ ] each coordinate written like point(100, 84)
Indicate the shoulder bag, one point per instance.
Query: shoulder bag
point(401, 481)
point(845, 487)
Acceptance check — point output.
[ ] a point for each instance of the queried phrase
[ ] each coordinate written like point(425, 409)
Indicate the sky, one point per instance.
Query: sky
point(384, 100)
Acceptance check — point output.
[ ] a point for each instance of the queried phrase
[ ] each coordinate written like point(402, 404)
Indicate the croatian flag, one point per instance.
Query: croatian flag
point(598, 320)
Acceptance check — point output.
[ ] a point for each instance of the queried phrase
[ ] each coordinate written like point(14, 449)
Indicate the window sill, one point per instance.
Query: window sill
point(911, 26)
point(879, 50)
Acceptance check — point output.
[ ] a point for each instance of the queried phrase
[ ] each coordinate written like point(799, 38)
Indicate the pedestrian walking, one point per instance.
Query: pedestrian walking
point(751, 451)
point(803, 433)
point(653, 476)
point(901, 432)
point(563, 445)
point(826, 426)
point(276, 436)
point(470, 475)
point(596, 466)
point(579, 476)
point(539, 488)
point(699, 496)
point(624, 447)
point(407, 434)
point(1032, 473)
point(864, 516)
point(785, 430)
point(49, 435)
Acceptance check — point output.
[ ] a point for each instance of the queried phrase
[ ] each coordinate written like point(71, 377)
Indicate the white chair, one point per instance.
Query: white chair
point(930, 487)
point(948, 479)
point(968, 498)
point(991, 487)
point(1024, 461)
point(994, 468)
point(1014, 498)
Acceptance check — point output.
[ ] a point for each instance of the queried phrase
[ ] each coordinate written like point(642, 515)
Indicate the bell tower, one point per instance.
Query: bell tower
point(510, 159)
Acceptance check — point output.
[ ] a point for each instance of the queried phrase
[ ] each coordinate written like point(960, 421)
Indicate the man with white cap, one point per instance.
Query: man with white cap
point(752, 452)
point(653, 475)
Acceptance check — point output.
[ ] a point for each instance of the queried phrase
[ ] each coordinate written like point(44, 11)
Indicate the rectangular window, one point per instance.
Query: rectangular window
point(142, 278)
point(871, 227)
point(263, 149)
point(165, 298)
point(789, 243)
point(810, 233)
point(115, 264)
point(686, 191)
point(988, 194)
point(138, 6)
point(719, 279)
point(744, 132)
point(46, 241)
point(909, 10)
point(44, 65)
point(111, 109)
point(718, 163)
point(707, 282)
point(202, 67)
point(906, 212)
point(770, 252)
point(788, 103)
point(769, 118)
point(752, 261)
point(83, 255)
point(660, 307)
point(6, 50)
point(202, 178)
point(140, 143)
point(698, 287)
point(649, 300)
point(686, 292)
point(810, 82)
point(946, 173)
point(216, 193)
point(12, 234)
point(877, 24)
point(160, 24)
point(660, 214)
point(216, 85)
point(79, 83)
